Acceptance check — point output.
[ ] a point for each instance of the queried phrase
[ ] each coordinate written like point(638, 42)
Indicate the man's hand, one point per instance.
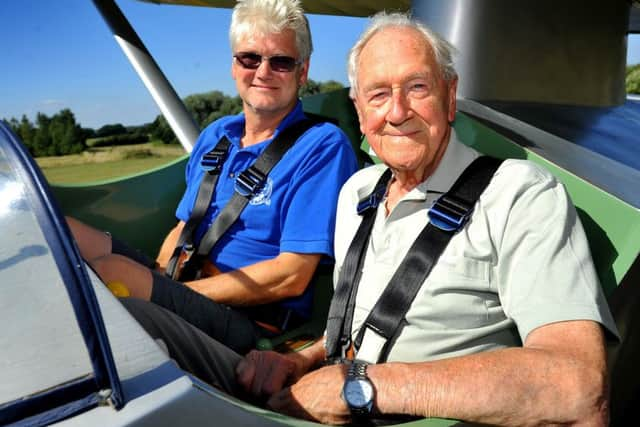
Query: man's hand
point(263, 373)
point(316, 396)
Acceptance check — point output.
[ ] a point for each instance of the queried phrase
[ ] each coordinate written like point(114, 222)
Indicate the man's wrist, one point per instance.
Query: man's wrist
point(358, 392)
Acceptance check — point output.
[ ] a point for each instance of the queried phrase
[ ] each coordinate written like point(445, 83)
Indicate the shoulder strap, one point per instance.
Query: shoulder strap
point(212, 164)
point(343, 302)
point(448, 215)
point(248, 184)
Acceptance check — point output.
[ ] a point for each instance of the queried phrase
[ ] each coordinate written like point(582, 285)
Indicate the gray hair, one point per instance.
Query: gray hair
point(443, 50)
point(268, 17)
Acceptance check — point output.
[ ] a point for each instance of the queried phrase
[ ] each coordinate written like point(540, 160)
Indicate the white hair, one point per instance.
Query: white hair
point(268, 17)
point(442, 49)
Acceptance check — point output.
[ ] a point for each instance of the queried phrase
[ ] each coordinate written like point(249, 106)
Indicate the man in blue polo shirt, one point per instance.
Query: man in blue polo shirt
point(266, 259)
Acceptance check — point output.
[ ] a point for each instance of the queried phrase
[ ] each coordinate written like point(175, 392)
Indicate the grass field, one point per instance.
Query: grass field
point(99, 164)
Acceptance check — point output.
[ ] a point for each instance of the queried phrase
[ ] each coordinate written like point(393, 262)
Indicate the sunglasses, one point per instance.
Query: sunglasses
point(279, 63)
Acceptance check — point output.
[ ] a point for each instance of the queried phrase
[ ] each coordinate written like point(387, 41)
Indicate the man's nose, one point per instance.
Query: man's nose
point(264, 69)
point(399, 108)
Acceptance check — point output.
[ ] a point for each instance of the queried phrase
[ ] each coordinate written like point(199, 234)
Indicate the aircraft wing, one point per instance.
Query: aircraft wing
point(323, 7)
point(634, 18)
point(363, 8)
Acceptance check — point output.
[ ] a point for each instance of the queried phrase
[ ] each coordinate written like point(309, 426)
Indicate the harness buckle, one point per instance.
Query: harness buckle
point(212, 161)
point(184, 265)
point(449, 213)
point(372, 200)
point(249, 182)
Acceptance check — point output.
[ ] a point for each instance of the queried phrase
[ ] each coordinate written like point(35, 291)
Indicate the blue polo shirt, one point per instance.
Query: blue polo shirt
point(295, 212)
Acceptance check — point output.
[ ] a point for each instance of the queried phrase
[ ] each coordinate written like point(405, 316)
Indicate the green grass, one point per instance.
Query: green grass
point(99, 164)
point(74, 174)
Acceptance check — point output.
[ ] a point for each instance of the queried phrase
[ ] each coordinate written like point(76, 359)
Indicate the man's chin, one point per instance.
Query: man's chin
point(404, 159)
point(406, 139)
point(268, 107)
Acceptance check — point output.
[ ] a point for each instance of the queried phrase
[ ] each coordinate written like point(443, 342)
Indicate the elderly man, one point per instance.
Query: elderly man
point(267, 257)
point(508, 328)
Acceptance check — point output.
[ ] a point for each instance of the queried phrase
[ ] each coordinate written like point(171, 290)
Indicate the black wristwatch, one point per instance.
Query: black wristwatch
point(358, 391)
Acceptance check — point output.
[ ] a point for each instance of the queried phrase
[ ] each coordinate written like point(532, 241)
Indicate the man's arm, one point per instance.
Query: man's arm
point(559, 376)
point(168, 246)
point(286, 275)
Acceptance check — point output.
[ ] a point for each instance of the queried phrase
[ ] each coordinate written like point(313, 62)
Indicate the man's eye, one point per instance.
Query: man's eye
point(377, 96)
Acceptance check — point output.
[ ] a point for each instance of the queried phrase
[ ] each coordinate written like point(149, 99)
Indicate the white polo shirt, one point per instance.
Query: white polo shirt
point(521, 262)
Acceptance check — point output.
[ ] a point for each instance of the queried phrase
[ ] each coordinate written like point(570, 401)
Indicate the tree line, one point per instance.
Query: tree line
point(51, 136)
point(60, 134)
point(633, 79)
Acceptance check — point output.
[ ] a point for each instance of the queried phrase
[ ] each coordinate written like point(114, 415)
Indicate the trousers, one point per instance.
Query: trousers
point(193, 350)
point(230, 326)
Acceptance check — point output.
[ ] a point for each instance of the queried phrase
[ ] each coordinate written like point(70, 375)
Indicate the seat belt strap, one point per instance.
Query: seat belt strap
point(343, 302)
point(448, 215)
point(212, 164)
point(248, 184)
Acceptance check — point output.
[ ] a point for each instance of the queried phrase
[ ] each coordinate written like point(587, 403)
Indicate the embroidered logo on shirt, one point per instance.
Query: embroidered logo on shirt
point(264, 196)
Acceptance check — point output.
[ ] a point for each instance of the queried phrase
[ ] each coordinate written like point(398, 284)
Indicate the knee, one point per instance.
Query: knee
point(117, 268)
point(109, 266)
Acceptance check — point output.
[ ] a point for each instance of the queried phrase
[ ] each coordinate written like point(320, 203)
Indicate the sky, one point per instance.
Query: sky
point(57, 54)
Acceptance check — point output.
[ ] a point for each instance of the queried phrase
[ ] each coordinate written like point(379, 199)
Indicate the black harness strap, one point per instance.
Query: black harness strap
point(343, 301)
point(448, 215)
point(248, 184)
point(212, 164)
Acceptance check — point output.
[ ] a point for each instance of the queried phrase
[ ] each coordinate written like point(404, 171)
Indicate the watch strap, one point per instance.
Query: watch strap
point(357, 369)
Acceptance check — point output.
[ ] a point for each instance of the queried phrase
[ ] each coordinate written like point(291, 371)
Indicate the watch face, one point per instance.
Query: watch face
point(358, 392)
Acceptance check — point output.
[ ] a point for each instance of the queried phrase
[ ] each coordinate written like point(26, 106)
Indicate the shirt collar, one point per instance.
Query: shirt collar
point(294, 116)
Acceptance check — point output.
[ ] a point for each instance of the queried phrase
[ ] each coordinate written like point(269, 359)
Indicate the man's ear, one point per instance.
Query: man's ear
point(451, 95)
point(359, 112)
point(304, 73)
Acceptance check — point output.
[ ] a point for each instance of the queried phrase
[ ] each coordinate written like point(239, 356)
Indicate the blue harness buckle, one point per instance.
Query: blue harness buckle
point(250, 182)
point(371, 201)
point(449, 213)
point(212, 161)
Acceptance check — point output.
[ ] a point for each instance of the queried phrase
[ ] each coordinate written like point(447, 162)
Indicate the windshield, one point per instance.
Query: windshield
point(37, 319)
